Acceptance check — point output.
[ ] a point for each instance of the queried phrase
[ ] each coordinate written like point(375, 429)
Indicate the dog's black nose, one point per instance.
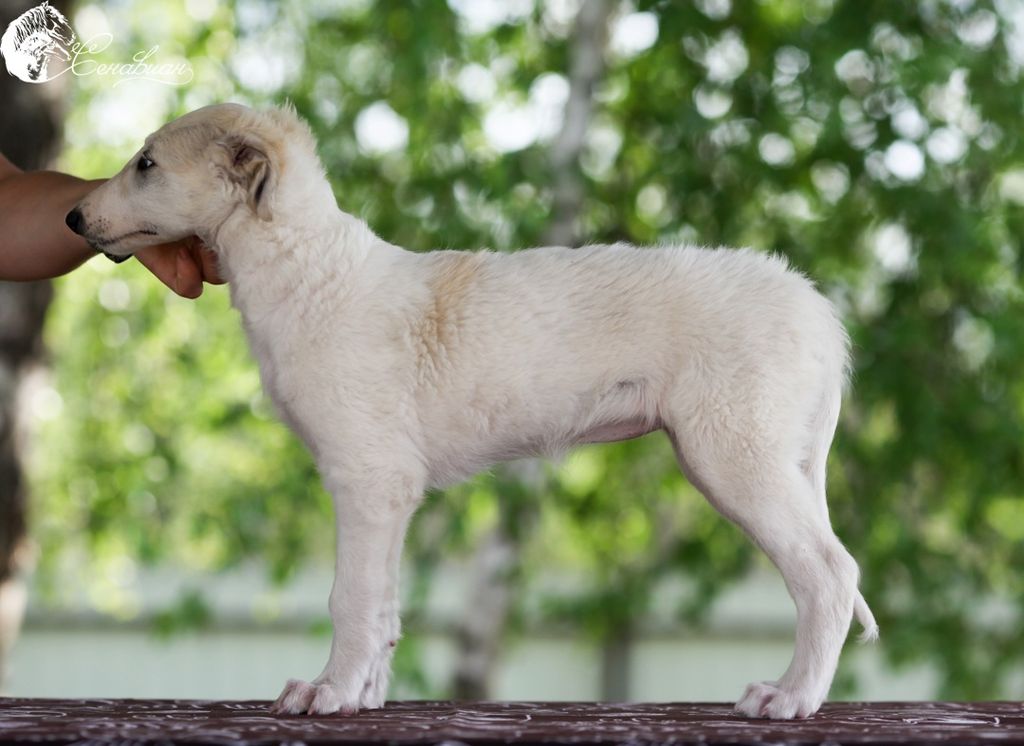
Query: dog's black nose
point(74, 220)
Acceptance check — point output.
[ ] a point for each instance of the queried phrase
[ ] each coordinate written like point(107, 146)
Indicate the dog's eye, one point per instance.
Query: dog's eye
point(145, 162)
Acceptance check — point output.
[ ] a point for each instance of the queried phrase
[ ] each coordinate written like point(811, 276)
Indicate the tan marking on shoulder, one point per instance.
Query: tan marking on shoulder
point(437, 333)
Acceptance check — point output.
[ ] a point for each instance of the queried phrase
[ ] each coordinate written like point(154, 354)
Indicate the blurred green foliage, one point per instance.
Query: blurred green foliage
point(874, 142)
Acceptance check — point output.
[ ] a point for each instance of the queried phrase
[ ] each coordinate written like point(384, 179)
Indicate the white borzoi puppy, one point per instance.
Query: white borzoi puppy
point(403, 371)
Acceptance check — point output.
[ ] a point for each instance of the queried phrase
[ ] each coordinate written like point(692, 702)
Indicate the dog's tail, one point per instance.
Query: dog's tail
point(823, 429)
point(866, 619)
point(834, 358)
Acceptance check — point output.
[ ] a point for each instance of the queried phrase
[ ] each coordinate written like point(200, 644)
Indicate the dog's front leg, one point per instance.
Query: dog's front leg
point(372, 518)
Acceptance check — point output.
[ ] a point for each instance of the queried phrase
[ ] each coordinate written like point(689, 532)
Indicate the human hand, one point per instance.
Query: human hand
point(183, 265)
point(33, 210)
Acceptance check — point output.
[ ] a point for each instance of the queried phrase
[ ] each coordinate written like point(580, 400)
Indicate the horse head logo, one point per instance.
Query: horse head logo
point(35, 39)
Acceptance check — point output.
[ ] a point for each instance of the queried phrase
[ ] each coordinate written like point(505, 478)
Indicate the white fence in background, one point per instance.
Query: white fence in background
point(68, 652)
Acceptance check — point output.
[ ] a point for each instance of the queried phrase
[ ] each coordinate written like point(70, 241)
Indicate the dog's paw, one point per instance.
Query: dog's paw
point(768, 700)
point(375, 688)
point(318, 698)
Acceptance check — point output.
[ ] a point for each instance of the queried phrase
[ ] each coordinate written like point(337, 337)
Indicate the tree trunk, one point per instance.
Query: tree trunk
point(616, 660)
point(30, 134)
point(497, 580)
point(586, 68)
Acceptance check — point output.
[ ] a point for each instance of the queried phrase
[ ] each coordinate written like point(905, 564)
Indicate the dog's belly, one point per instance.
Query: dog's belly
point(614, 431)
point(450, 466)
point(453, 460)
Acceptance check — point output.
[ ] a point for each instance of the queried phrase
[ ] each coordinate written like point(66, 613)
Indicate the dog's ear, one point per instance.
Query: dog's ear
point(245, 162)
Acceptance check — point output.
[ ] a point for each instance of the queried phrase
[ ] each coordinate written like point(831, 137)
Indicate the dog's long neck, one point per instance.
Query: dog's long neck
point(307, 248)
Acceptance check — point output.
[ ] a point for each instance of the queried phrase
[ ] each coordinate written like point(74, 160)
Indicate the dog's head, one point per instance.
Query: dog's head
point(188, 178)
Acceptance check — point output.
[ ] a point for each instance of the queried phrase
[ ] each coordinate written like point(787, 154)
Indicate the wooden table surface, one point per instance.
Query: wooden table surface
point(451, 723)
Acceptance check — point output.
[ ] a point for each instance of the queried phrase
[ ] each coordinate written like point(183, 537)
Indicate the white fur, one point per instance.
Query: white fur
point(403, 371)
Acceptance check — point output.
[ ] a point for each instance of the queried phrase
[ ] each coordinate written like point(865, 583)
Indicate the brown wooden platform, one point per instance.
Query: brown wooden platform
point(58, 721)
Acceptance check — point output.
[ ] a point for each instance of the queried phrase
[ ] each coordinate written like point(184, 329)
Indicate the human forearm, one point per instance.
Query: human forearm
point(35, 243)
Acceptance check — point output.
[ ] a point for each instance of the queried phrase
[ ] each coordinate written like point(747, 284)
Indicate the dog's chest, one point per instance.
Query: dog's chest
point(310, 373)
point(280, 354)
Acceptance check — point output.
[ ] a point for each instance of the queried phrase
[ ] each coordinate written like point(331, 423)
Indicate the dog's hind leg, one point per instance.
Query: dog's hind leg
point(773, 502)
point(373, 510)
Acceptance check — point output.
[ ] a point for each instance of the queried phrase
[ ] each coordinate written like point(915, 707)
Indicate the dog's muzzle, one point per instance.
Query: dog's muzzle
point(75, 223)
point(113, 257)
